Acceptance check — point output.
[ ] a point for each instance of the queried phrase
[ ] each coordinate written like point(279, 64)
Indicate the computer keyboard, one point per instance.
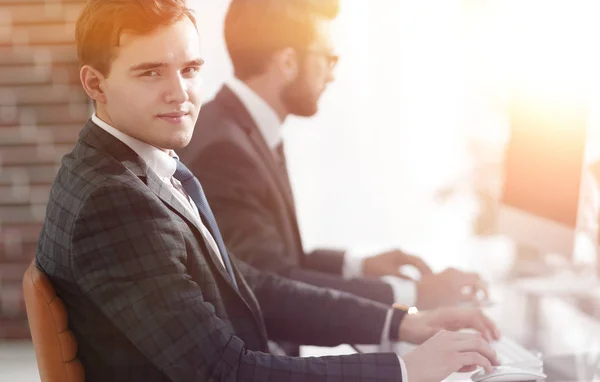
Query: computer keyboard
point(511, 353)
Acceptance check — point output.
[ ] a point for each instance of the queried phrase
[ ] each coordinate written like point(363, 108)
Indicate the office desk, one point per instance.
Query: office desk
point(567, 337)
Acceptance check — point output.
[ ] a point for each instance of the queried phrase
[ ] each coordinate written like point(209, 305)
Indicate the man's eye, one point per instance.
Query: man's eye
point(150, 73)
point(191, 70)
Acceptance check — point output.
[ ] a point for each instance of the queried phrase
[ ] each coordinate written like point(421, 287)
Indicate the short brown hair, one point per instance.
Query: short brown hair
point(102, 22)
point(255, 29)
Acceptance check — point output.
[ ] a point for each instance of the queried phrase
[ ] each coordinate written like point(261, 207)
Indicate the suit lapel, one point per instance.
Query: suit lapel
point(159, 188)
point(100, 139)
point(246, 122)
point(243, 290)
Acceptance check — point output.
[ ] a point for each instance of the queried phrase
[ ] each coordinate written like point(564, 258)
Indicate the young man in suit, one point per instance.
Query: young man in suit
point(132, 248)
point(283, 58)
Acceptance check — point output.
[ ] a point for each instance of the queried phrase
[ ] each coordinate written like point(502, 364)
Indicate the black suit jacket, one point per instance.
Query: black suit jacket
point(148, 300)
point(252, 200)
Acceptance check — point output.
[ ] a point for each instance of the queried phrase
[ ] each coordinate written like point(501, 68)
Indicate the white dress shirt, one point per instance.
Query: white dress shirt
point(164, 165)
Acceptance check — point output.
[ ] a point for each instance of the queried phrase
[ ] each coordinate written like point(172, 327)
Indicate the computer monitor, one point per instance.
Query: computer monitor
point(543, 167)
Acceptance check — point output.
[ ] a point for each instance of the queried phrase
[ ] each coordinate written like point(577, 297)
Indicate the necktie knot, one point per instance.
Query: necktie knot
point(182, 173)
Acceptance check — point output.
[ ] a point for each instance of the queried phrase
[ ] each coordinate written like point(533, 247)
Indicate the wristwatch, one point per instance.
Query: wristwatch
point(406, 308)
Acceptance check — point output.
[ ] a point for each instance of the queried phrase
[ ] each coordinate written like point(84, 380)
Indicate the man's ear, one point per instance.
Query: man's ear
point(286, 61)
point(93, 83)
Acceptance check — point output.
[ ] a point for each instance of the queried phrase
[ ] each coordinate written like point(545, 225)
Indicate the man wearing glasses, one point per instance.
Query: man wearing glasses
point(283, 57)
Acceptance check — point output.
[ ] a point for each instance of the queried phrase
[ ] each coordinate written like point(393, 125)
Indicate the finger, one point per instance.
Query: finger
point(478, 290)
point(460, 337)
point(485, 330)
point(462, 282)
point(489, 325)
point(468, 369)
point(477, 344)
point(476, 319)
point(474, 359)
point(422, 266)
point(482, 288)
point(466, 294)
point(469, 279)
point(406, 259)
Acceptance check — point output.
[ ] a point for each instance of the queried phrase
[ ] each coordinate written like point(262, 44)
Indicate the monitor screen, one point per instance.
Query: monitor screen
point(544, 159)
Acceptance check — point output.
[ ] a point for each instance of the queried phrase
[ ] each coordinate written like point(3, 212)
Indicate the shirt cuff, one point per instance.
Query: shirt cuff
point(394, 326)
point(403, 367)
point(353, 265)
point(388, 334)
point(385, 337)
point(404, 291)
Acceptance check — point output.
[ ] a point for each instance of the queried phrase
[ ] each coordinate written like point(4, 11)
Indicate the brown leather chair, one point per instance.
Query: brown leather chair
point(55, 346)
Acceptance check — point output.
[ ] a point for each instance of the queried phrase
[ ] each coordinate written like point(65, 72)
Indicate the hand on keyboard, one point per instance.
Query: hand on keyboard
point(446, 353)
point(416, 328)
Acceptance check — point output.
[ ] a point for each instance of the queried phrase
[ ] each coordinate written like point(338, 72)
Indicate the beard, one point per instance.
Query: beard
point(298, 98)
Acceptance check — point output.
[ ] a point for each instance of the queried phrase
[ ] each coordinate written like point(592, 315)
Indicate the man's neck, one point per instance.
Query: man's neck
point(102, 115)
point(270, 94)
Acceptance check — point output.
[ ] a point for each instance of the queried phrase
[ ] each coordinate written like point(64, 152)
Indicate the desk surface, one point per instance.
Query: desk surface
point(580, 367)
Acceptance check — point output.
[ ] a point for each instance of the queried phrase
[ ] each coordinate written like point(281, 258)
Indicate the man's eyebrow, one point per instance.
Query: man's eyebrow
point(196, 62)
point(148, 66)
point(159, 65)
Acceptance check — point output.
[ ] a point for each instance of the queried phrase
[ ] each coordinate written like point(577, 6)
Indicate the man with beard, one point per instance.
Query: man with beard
point(284, 59)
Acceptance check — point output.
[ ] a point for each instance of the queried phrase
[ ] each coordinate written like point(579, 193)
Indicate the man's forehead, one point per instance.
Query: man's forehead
point(179, 41)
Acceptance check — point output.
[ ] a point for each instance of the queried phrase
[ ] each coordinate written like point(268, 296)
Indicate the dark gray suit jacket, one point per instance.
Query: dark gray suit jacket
point(148, 301)
point(253, 203)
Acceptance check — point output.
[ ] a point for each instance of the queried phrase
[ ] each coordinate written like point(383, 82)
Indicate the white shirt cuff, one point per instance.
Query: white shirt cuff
point(353, 265)
point(387, 346)
point(405, 291)
point(403, 367)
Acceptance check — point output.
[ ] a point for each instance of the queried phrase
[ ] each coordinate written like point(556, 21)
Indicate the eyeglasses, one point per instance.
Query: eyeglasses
point(332, 59)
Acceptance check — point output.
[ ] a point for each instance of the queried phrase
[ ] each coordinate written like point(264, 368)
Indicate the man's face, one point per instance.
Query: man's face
point(301, 96)
point(152, 92)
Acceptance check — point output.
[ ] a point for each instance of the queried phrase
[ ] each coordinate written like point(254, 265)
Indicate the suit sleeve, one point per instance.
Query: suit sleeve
point(237, 195)
point(130, 261)
point(307, 314)
point(325, 260)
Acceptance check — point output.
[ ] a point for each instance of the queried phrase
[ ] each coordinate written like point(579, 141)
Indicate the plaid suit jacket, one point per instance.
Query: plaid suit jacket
point(148, 300)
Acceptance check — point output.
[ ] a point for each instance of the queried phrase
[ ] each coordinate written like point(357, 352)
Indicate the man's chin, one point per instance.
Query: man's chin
point(306, 111)
point(181, 141)
point(177, 140)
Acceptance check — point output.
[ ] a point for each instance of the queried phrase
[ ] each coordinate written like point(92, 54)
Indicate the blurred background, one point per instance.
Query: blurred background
point(417, 124)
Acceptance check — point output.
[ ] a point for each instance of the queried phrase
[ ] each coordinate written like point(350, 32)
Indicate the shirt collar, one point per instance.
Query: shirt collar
point(160, 162)
point(262, 113)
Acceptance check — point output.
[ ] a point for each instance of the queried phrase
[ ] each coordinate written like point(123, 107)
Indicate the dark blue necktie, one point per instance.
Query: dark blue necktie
point(192, 186)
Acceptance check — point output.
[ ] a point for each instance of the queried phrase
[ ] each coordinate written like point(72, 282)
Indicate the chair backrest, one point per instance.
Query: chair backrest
point(54, 344)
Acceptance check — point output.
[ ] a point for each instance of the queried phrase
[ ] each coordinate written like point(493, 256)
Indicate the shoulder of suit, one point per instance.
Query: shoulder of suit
point(86, 168)
point(215, 126)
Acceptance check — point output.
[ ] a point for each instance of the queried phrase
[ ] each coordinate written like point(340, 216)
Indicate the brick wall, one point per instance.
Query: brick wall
point(42, 109)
